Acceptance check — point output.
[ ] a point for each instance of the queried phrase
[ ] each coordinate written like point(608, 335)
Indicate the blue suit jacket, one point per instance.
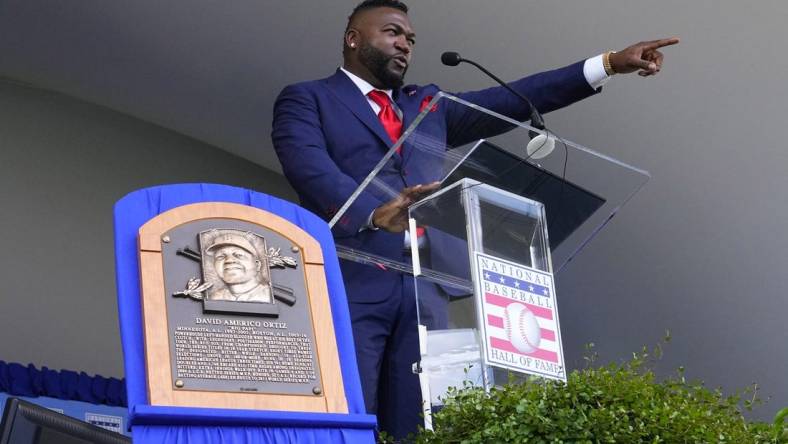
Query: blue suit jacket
point(328, 139)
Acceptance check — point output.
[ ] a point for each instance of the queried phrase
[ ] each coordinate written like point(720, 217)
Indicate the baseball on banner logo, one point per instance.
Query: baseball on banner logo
point(522, 328)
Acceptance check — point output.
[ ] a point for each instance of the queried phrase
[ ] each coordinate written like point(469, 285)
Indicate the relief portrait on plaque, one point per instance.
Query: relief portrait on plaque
point(236, 273)
point(235, 268)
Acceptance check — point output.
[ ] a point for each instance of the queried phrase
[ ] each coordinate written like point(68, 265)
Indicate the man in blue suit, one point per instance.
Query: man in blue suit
point(330, 133)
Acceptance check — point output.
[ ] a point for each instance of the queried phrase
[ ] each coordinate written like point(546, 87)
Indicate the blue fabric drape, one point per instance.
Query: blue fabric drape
point(20, 380)
point(251, 435)
point(171, 424)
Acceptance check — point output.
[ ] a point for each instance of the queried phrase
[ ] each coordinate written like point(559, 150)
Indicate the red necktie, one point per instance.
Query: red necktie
point(393, 126)
point(388, 117)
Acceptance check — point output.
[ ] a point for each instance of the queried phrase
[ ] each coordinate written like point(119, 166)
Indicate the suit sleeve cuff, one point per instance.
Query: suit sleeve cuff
point(594, 72)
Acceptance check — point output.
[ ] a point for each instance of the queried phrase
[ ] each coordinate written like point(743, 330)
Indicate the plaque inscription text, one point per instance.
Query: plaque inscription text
point(245, 353)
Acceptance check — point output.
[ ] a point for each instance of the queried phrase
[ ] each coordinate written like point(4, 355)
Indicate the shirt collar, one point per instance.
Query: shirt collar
point(364, 86)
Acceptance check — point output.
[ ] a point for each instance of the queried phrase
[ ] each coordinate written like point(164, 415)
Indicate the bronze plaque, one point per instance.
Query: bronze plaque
point(236, 312)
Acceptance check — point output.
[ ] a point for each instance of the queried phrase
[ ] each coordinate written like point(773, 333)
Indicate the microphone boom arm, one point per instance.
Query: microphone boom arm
point(536, 117)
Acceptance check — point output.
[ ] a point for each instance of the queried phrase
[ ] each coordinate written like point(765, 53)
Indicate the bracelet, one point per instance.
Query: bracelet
point(606, 63)
point(371, 223)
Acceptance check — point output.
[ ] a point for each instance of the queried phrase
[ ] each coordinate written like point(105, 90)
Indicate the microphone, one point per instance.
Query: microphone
point(451, 58)
point(540, 145)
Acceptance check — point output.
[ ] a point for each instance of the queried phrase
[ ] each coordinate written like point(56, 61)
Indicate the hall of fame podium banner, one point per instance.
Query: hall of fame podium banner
point(519, 318)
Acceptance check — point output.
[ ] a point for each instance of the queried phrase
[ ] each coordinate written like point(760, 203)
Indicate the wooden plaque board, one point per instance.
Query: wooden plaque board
point(162, 389)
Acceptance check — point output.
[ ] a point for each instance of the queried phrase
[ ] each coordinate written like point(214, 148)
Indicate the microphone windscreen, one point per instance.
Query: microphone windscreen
point(451, 58)
point(540, 146)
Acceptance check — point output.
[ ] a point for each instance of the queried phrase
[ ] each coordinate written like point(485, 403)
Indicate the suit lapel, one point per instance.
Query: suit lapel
point(348, 93)
point(409, 106)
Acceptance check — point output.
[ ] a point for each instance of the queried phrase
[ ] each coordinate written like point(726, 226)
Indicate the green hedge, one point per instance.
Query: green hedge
point(618, 403)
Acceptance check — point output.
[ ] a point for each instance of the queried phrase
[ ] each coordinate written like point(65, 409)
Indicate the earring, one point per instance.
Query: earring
point(352, 45)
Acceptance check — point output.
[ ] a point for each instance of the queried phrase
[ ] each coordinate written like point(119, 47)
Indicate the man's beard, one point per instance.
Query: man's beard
point(378, 63)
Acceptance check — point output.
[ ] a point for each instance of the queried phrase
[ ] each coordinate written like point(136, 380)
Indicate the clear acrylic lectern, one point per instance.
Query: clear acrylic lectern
point(484, 248)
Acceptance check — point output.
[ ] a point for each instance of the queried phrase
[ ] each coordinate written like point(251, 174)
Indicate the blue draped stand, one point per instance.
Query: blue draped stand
point(158, 424)
point(20, 380)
